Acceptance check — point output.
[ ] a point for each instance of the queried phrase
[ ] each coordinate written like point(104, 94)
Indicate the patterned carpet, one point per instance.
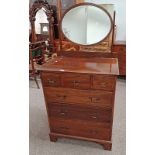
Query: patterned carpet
point(39, 139)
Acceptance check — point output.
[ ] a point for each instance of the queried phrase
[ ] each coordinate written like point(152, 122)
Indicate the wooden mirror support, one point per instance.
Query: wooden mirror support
point(37, 5)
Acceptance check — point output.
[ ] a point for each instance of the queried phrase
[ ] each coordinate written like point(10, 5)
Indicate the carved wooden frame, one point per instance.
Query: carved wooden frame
point(37, 5)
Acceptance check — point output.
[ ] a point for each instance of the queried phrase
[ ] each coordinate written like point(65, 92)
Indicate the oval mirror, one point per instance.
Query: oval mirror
point(86, 24)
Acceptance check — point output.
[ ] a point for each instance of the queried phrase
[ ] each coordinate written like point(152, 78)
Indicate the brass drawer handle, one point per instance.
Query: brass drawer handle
point(63, 96)
point(51, 81)
point(76, 83)
point(94, 117)
point(62, 113)
point(103, 84)
point(94, 99)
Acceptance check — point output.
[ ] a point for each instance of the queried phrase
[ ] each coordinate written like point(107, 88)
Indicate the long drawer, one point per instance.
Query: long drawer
point(80, 113)
point(81, 128)
point(75, 96)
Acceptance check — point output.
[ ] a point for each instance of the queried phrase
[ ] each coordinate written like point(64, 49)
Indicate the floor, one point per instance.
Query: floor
point(39, 139)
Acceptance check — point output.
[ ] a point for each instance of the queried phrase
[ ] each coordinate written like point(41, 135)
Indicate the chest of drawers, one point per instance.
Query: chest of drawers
point(79, 95)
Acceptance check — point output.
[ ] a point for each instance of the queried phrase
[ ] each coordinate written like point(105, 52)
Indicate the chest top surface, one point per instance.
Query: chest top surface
point(82, 65)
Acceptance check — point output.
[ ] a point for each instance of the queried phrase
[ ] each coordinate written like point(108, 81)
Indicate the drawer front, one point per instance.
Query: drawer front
point(51, 79)
point(81, 128)
point(84, 97)
point(104, 82)
point(80, 113)
point(77, 81)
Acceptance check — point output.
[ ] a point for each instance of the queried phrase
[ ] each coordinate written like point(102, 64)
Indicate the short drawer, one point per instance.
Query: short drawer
point(75, 96)
point(51, 79)
point(104, 82)
point(77, 81)
point(81, 128)
point(80, 113)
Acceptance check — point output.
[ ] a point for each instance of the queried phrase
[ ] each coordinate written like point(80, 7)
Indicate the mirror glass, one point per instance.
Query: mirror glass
point(41, 18)
point(86, 24)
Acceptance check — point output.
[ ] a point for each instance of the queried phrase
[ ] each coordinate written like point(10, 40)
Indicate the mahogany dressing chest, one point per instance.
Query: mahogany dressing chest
point(79, 87)
point(79, 96)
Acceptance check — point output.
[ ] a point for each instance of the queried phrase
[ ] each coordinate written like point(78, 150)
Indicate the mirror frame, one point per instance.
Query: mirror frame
point(37, 5)
point(90, 4)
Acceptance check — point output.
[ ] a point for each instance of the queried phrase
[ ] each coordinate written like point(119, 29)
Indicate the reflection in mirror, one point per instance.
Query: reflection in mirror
point(40, 18)
point(45, 29)
point(41, 25)
point(42, 29)
point(91, 25)
point(41, 14)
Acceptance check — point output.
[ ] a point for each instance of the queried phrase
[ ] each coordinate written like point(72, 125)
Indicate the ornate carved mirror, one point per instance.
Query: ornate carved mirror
point(41, 25)
point(86, 24)
point(41, 20)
